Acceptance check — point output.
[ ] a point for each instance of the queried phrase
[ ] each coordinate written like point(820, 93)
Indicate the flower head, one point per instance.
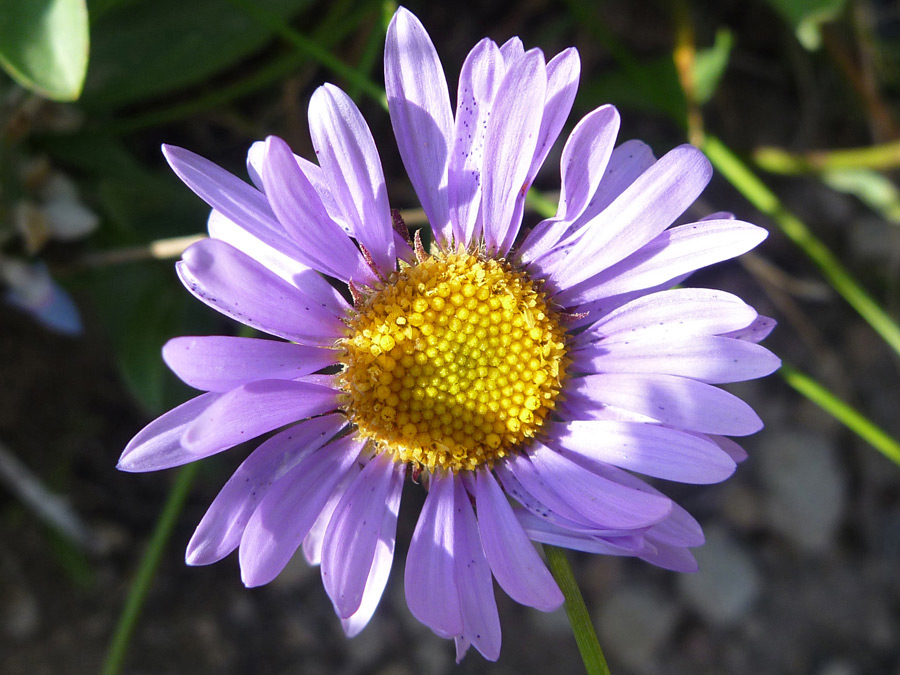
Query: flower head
point(520, 380)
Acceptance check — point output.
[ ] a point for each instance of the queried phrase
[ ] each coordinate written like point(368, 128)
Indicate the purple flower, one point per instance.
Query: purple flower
point(521, 384)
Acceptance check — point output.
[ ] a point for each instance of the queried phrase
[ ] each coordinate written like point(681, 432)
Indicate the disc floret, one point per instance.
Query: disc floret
point(453, 362)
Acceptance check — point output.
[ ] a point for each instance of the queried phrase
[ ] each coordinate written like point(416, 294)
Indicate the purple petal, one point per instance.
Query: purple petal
point(384, 558)
point(419, 107)
point(253, 409)
point(158, 445)
point(346, 151)
point(640, 213)
point(221, 363)
point(353, 533)
point(232, 197)
point(479, 79)
point(628, 161)
point(675, 401)
point(756, 332)
point(220, 530)
point(672, 558)
point(679, 529)
point(601, 501)
point(314, 539)
point(648, 449)
point(512, 136)
point(274, 260)
point(256, 157)
point(735, 451)
point(545, 532)
point(687, 311)
point(481, 622)
point(296, 203)
point(583, 164)
point(512, 51)
point(545, 503)
point(709, 359)
point(562, 83)
point(516, 565)
point(289, 509)
point(239, 287)
point(675, 252)
point(432, 593)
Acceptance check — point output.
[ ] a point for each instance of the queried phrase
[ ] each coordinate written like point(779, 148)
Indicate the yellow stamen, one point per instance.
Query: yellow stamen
point(452, 363)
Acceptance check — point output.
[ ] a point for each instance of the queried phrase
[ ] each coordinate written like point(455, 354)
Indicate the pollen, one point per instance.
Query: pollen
point(452, 363)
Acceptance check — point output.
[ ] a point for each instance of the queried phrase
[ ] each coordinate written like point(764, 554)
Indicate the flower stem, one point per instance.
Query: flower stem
point(841, 411)
point(118, 646)
point(582, 626)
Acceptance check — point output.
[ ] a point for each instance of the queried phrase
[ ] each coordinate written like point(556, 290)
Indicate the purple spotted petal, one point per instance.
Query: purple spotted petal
point(353, 533)
point(300, 210)
point(479, 80)
point(756, 332)
point(419, 107)
point(594, 498)
point(158, 445)
point(679, 402)
point(383, 560)
point(635, 217)
point(239, 287)
point(708, 359)
point(689, 311)
point(346, 151)
point(481, 622)
point(289, 509)
point(648, 449)
point(512, 137)
point(220, 530)
point(253, 409)
point(430, 580)
point(562, 82)
point(676, 252)
point(221, 363)
point(515, 563)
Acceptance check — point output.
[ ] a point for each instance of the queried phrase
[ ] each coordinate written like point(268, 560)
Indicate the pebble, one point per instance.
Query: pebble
point(805, 492)
point(726, 586)
point(634, 624)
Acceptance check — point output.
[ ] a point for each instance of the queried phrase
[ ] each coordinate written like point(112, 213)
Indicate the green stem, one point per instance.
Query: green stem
point(883, 157)
point(311, 49)
point(582, 626)
point(140, 587)
point(844, 413)
point(756, 192)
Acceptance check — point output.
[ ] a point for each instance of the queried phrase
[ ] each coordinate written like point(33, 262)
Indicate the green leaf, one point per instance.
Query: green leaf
point(148, 48)
point(710, 64)
point(807, 17)
point(872, 188)
point(44, 45)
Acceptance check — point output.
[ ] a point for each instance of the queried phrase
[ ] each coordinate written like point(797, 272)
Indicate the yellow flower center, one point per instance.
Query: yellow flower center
point(452, 363)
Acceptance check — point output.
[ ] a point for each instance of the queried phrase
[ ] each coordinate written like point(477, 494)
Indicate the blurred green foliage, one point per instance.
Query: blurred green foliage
point(44, 45)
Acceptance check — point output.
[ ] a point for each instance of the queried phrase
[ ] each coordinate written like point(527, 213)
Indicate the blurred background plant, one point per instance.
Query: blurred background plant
point(796, 102)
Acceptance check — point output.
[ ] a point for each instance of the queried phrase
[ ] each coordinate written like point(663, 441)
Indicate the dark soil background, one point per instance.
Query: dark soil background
point(799, 574)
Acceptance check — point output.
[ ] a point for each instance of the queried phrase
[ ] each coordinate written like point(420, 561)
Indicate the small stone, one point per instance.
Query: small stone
point(727, 584)
point(804, 487)
point(635, 624)
point(19, 613)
